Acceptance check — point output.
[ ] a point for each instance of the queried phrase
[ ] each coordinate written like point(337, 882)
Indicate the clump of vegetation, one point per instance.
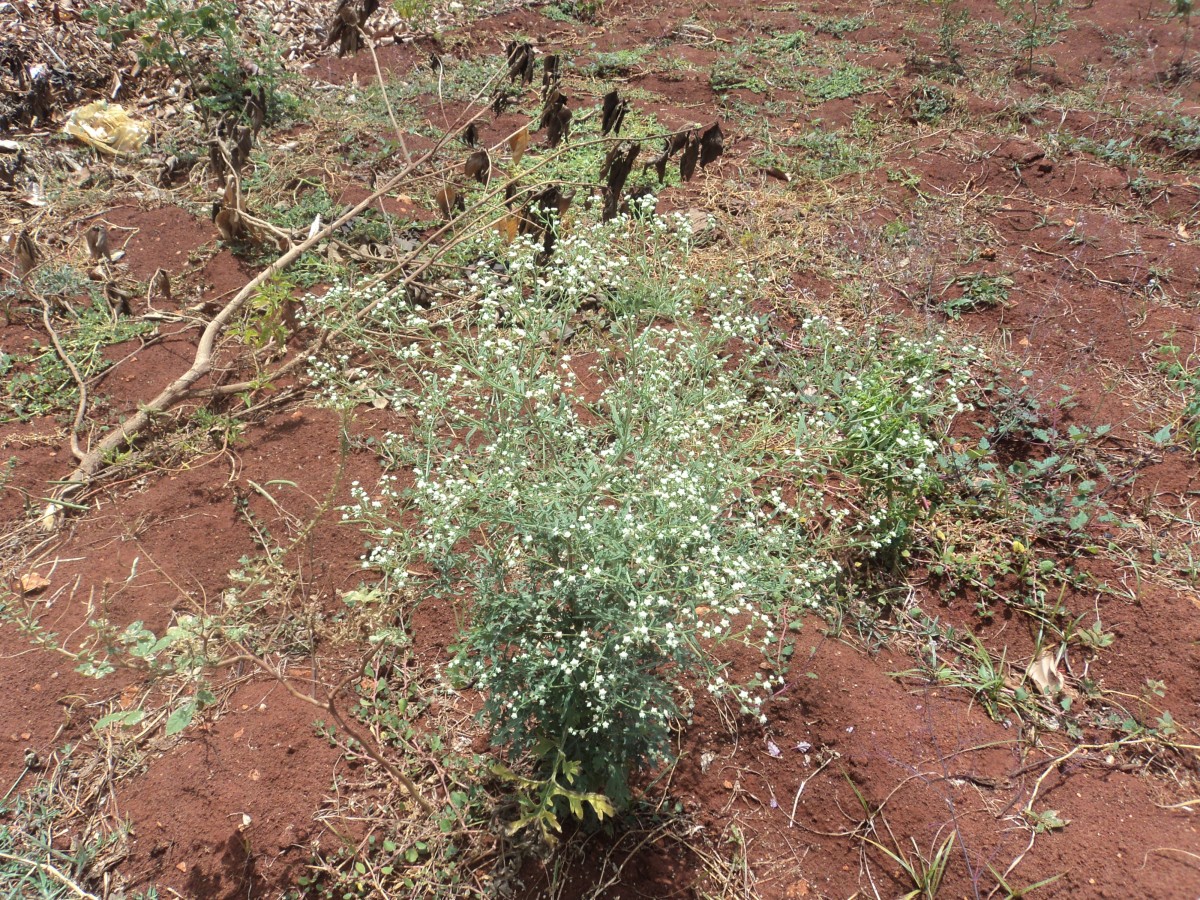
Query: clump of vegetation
point(978, 291)
point(1184, 373)
point(33, 860)
point(36, 382)
point(1040, 23)
point(847, 81)
point(1180, 69)
point(839, 28)
point(204, 43)
point(928, 102)
point(614, 524)
point(952, 19)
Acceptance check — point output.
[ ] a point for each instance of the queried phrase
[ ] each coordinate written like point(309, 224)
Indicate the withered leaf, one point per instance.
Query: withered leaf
point(520, 61)
point(617, 166)
point(470, 135)
point(518, 143)
point(1043, 671)
point(630, 206)
point(551, 74)
point(540, 214)
point(32, 582)
point(510, 193)
point(553, 100)
point(712, 144)
point(691, 153)
point(507, 227)
point(501, 100)
point(560, 125)
point(537, 212)
point(612, 113)
point(478, 166)
point(659, 163)
point(450, 201)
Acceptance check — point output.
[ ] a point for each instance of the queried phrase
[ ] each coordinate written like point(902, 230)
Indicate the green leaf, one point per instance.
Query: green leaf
point(601, 804)
point(125, 718)
point(1161, 436)
point(181, 718)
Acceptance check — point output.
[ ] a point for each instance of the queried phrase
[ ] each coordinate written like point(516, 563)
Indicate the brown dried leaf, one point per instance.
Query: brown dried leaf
point(507, 228)
point(612, 113)
point(687, 161)
point(1043, 672)
point(478, 166)
point(450, 201)
point(560, 125)
point(617, 166)
point(32, 582)
point(551, 74)
point(518, 144)
point(712, 144)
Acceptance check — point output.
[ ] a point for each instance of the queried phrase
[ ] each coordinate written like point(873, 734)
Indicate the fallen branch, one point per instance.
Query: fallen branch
point(93, 460)
point(182, 387)
point(81, 409)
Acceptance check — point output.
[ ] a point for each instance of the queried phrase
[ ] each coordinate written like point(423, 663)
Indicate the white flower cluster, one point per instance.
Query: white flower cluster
point(605, 541)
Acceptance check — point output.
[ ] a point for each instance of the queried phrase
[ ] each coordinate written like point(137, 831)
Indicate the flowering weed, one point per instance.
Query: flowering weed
point(621, 468)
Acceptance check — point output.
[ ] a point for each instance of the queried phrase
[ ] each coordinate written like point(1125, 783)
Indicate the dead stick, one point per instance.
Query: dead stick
point(81, 409)
point(331, 707)
point(93, 460)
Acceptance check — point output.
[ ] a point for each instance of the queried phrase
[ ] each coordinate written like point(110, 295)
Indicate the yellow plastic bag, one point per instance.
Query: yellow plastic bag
point(107, 127)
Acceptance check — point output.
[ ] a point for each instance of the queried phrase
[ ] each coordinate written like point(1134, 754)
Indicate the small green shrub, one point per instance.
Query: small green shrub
point(847, 81)
point(978, 291)
point(608, 527)
point(928, 102)
point(839, 28)
point(1040, 24)
point(1184, 374)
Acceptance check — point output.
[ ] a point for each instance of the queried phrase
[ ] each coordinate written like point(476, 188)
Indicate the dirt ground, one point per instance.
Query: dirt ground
point(1099, 240)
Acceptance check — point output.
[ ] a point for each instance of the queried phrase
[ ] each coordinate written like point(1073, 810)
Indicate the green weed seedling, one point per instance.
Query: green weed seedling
point(1040, 23)
point(841, 83)
point(978, 291)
